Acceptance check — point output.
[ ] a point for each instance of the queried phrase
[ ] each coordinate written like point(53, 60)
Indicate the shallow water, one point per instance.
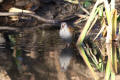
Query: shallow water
point(43, 55)
point(47, 57)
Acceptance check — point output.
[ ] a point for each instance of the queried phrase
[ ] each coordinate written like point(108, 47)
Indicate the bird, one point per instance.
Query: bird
point(66, 33)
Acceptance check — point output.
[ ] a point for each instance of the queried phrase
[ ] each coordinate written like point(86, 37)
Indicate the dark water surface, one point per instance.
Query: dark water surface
point(43, 55)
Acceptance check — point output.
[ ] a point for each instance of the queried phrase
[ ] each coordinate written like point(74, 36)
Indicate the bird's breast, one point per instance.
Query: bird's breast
point(65, 33)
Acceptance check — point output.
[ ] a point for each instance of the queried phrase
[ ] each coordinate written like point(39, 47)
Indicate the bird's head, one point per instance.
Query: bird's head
point(64, 25)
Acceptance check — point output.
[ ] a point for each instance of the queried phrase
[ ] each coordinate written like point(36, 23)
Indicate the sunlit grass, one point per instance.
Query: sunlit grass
point(107, 74)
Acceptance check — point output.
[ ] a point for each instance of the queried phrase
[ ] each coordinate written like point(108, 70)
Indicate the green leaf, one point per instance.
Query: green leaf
point(12, 39)
point(87, 4)
point(118, 19)
point(18, 53)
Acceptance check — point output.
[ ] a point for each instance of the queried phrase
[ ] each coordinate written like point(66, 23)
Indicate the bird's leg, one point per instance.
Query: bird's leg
point(67, 45)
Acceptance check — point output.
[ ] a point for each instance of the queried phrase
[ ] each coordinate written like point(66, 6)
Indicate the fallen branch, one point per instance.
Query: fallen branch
point(39, 18)
point(8, 28)
point(19, 29)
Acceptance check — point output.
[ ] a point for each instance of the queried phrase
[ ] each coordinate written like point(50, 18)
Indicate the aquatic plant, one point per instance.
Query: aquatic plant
point(108, 19)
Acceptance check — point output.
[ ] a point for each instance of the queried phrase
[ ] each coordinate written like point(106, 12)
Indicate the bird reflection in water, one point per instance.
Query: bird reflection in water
point(65, 58)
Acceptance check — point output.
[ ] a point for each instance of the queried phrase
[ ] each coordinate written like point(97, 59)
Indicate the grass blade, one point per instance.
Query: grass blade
point(85, 58)
point(107, 74)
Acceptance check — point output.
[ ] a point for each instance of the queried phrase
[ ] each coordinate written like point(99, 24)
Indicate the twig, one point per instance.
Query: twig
point(85, 10)
point(82, 16)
